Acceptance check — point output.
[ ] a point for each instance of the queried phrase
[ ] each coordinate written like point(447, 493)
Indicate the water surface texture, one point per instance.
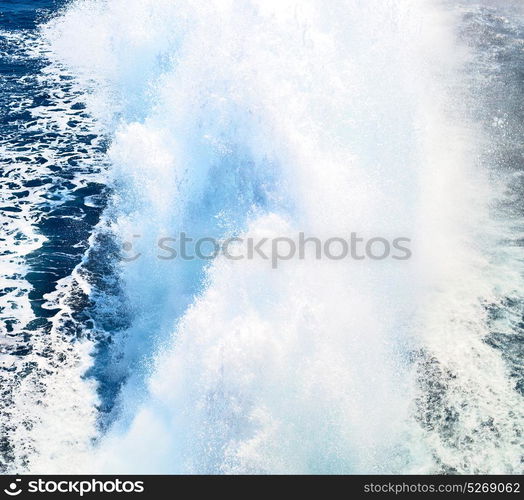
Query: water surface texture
point(124, 121)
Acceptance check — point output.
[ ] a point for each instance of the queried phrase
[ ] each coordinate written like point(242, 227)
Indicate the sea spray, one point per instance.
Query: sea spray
point(268, 118)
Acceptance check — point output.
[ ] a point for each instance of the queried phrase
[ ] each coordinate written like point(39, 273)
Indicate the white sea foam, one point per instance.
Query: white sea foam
point(267, 118)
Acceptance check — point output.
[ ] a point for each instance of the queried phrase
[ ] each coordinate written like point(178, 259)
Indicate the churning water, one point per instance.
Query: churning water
point(137, 119)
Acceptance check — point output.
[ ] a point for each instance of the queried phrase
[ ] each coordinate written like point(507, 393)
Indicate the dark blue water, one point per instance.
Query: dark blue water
point(51, 200)
point(24, 15)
